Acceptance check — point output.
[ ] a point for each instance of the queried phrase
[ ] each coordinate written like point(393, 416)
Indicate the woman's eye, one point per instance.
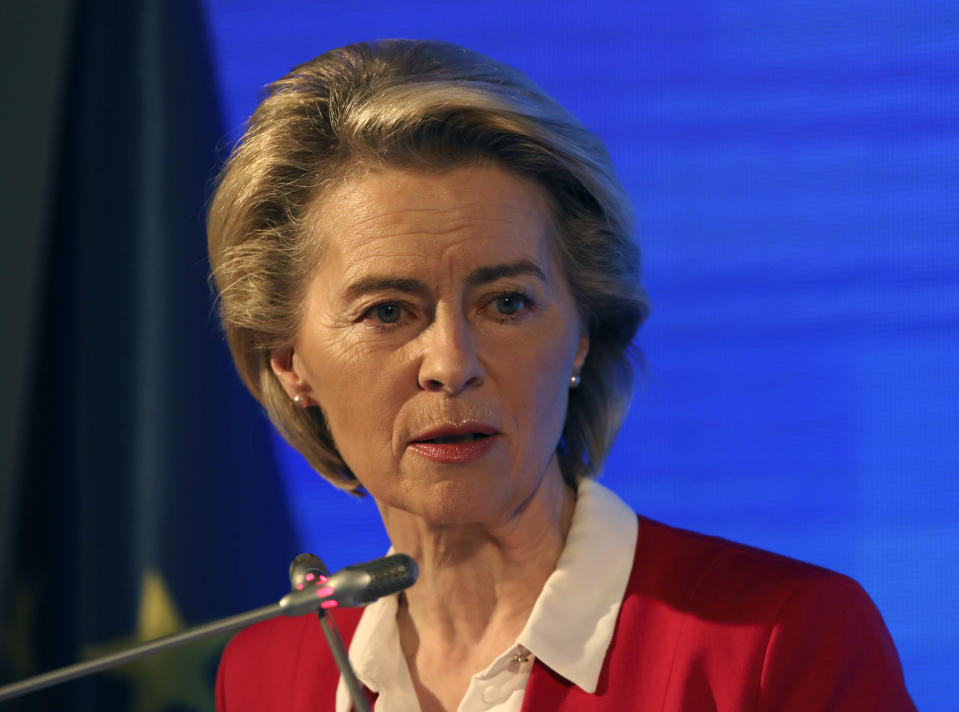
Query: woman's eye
point(388, 313)
point(510, 304)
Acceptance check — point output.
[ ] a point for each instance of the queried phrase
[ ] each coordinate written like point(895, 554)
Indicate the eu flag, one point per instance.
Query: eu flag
point(147, 498)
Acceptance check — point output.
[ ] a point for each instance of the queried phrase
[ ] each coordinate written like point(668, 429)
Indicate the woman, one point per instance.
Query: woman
point(427, 277)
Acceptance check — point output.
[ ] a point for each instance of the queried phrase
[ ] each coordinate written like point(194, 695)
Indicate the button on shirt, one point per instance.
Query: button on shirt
point(569, 628)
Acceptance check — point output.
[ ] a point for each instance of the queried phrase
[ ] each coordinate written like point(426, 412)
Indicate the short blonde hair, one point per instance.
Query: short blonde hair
point(429, 106)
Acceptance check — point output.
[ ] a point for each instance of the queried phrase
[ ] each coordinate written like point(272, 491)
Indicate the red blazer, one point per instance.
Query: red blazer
point(705, 625)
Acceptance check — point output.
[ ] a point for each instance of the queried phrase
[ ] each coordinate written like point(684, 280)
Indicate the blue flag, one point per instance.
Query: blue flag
point(148, 499)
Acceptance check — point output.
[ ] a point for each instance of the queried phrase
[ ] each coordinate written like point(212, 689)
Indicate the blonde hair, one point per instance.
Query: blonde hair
point(429, 106)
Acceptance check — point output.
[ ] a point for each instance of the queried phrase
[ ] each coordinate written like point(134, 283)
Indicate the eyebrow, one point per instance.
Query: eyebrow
point(484, 275)
point(384, 284)
point(480, 275)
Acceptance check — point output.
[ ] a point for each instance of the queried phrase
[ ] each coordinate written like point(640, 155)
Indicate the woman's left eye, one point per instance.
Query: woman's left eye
point(510, 303)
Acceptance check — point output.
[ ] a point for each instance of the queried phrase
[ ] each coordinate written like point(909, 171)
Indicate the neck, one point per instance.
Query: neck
point(482, 578)
point(477, 586)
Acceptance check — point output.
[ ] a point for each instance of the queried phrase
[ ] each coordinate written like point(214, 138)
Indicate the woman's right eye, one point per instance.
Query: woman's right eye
point(385, 313)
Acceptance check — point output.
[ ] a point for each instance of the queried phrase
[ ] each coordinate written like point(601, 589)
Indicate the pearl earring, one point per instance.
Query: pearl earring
point(299, 400)
point(574, 380)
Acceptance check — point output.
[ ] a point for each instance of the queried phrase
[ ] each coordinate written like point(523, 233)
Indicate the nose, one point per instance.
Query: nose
point(450, 362)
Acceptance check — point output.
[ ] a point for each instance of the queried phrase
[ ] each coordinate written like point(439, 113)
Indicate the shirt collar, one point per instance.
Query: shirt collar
point(376, 656)
point(573, 620)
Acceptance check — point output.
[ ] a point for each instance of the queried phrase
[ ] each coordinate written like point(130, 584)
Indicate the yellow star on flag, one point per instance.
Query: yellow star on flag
point(175, 677)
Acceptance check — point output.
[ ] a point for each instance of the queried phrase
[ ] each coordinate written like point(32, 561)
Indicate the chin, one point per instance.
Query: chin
point(464, 505)
point(455, 501)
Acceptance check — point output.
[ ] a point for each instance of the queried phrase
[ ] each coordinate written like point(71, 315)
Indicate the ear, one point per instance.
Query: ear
point(582, 348)
point(283, 361)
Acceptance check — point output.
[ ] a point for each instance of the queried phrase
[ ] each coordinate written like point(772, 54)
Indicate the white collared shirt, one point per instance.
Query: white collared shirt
point(569, 628)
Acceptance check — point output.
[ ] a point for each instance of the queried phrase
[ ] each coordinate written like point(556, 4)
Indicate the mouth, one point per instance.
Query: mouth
point(453, 439)
point(455, 434)
point(459, 444)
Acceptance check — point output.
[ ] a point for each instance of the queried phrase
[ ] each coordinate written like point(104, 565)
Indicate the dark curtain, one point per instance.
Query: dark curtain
point(147, 498)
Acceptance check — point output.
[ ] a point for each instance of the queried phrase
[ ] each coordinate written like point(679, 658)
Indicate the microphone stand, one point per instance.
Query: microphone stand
point(200, 632)
point(192, 635)
point(355, 585)
point(335, 642)
point(292, 604)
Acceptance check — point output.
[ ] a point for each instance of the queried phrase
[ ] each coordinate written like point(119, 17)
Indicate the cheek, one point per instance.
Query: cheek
point(553, 401)
point(540, 398)
point(361, 427)
point(354, 407)
point(360, 393)
point(341, 367)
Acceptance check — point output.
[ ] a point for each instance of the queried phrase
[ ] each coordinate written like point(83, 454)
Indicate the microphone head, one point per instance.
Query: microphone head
point(389, 575)
point(307, 569)
point(357, 585)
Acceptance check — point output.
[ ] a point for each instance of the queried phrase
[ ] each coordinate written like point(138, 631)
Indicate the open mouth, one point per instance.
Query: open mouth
point(456, 445)
point(455, 439)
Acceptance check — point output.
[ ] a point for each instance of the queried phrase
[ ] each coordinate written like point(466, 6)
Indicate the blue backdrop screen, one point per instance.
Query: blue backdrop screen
point(794, 169)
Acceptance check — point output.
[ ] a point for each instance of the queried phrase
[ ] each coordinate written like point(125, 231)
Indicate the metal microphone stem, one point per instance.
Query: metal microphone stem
point(224, 625)
point(335, 643)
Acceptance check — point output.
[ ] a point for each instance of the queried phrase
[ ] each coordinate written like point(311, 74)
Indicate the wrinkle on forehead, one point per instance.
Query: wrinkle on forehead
point(399, 197)
point(380, 215)
point(366, 219)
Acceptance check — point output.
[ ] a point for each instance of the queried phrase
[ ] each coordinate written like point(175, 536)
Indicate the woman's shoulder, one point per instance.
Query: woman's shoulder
point(692, 554)
point(753, 625)
point(723, 580)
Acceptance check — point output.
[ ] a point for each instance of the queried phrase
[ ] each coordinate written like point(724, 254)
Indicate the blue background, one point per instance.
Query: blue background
point(794, 171)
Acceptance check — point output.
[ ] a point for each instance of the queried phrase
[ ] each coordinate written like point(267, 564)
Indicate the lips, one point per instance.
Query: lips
point(455, 444)
point(455, 433)
point(453, 439)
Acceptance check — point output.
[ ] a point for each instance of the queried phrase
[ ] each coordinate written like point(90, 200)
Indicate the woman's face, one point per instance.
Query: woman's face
point(439, 337)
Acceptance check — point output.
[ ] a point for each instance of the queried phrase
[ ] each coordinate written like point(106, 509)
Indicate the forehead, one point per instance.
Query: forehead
point(396, 216)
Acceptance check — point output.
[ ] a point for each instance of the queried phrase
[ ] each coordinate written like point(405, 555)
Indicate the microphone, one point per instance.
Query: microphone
point(355, 585)
point(305, 569)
